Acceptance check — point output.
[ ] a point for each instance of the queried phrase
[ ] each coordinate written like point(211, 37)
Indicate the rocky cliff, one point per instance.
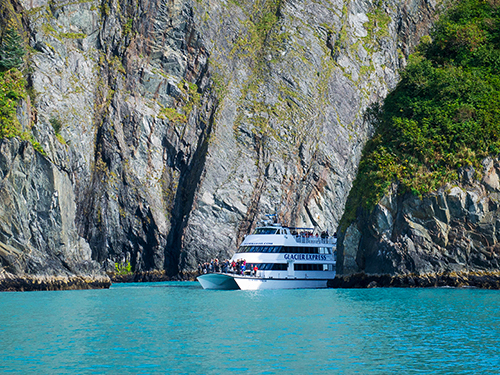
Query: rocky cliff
point(39, 244)
point(168, 126)
point(424, 210)
point(450, 237)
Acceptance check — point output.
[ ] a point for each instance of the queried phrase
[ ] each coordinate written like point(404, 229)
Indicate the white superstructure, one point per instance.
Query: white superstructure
point(285, 258)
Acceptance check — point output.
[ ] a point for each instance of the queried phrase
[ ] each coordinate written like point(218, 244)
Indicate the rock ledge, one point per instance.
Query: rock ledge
point(483, 280)
point(15, 283)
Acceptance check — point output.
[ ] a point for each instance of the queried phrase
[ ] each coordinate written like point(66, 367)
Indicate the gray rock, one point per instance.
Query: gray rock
point(454, 230)
point(38, 235)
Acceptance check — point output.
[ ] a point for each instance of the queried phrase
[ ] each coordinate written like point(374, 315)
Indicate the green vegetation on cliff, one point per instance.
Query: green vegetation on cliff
point(443, 115)
point(12, 90)
point(11, 50)
point(123, 269)
point(12, 87)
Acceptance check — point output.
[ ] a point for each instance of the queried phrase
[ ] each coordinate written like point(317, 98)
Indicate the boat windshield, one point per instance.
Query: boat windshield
point(265, 231)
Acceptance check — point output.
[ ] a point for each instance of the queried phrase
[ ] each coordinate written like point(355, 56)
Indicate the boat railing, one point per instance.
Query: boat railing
point(304, 239)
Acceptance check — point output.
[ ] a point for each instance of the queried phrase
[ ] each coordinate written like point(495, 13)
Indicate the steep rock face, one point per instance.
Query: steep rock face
point(182, 121)
point(38, 236)
point(290, 127)
point(454, 231)
point(114, 75)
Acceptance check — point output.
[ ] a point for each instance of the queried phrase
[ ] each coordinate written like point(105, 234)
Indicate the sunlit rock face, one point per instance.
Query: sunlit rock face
point(38, 235)
point(182, 122)
point(454, 231)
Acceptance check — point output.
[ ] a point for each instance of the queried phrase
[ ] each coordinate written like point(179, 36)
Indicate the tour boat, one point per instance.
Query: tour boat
point(285, 257)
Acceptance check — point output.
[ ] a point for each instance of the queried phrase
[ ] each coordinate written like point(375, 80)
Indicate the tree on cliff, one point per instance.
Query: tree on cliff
point(11, 50)
point(443, 115)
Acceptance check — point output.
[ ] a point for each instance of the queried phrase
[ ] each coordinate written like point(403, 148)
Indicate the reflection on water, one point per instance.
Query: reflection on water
point(178, 327)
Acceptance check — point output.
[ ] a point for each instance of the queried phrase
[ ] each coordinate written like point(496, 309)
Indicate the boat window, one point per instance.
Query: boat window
point(271, 266)
point(308, 267)
point(325, 267)
point(265, 231)
point(260, 249)
point(304, 250)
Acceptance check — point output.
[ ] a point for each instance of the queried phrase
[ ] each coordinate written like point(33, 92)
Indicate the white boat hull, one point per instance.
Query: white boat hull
point(217, 281)
point(256, 283)
point(225, 281)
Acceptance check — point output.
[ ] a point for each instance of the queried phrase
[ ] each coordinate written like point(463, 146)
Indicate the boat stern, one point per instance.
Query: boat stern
point(217, 281)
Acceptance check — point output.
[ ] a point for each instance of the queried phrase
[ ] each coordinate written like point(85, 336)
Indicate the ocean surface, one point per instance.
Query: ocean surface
point(179, 328)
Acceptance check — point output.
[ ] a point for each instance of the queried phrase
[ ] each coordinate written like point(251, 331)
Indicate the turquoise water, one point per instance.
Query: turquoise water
point(178, 328)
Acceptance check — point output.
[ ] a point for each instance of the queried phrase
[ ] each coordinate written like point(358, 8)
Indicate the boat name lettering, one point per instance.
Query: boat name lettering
point(305, 256)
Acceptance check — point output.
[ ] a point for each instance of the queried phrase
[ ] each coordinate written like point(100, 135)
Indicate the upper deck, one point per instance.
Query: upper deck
point(275, 234)
point(315, 240)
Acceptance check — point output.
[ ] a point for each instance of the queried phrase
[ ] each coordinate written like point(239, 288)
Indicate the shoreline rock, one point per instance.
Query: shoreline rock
point(28, 283)
point(482, 280)
point(152, 276)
